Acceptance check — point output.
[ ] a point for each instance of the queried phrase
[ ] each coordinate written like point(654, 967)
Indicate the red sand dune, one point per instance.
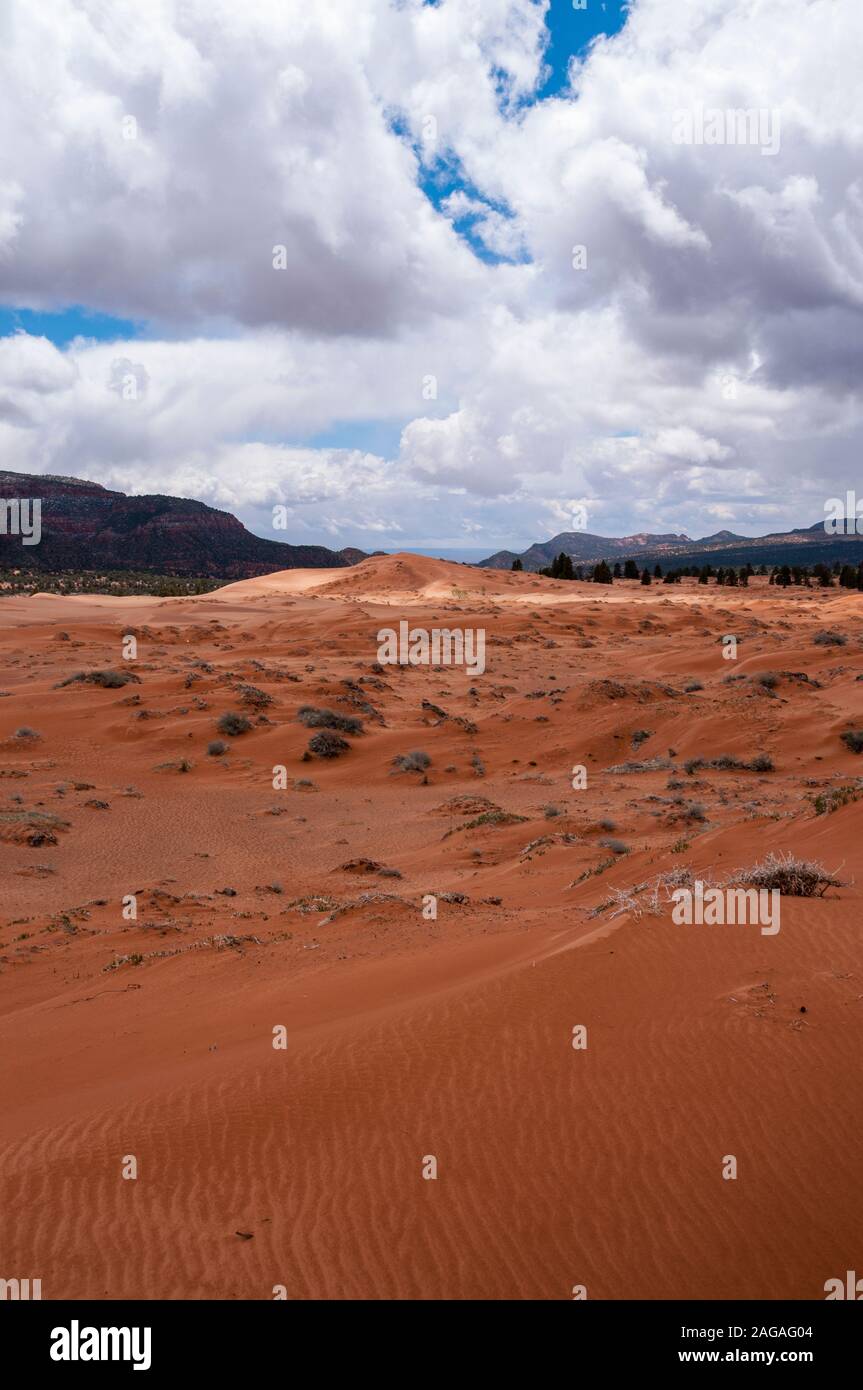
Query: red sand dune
point(410, 1037)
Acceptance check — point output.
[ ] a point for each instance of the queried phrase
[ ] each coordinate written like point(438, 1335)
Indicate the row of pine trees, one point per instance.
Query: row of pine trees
point(818, 576)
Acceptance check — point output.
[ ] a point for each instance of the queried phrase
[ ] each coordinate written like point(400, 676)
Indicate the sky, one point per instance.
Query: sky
point(449, 277)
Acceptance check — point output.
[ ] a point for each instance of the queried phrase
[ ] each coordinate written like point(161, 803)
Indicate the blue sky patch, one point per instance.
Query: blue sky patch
point(572, 31)
point(381, 437)
point(64, 325)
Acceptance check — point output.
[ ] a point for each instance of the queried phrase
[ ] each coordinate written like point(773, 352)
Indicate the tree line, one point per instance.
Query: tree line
point(820, 576)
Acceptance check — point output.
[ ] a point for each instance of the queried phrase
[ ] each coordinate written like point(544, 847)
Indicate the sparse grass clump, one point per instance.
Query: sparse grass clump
point(796, 878)
point(134, 959)
point(108, 680)
point(416, 761)
point(657, 764)
point(828, 637)
point(828, 801)
point(216, 748)
point(853, 739)
point(34, 828)
point(600, 868)
point(725, 763)
point(762, 763)
point(495, 817)
point(253, 698)
point(233, 724)
point(326, 744)
point(328, 719)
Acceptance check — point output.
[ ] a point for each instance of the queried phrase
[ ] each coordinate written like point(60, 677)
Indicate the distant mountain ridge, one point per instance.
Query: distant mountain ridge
point(89, 527)
point(805, 545)
point(583, 545)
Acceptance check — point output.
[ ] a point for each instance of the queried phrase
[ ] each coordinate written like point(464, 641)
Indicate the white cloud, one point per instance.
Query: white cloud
point(706, 363)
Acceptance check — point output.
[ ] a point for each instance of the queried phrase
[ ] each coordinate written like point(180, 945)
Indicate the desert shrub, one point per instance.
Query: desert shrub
point(496, 816)
point(639, 737)
point(695, 811)
point(417, 761)
point(109, 680)
point(830, 800)
point(828, 637)
point(768, 679)
point(326, 744)
point(657, 764)
point(233, 724)
point(550, 812)
point(725, 763)
point(692, 686)
point(253, 698)
point(328, 719)
point(853, 739)
point(35, 828)
point(798, 878)
point(26, 732)
point(607, 825)
point(217, 748)
point(616, 846)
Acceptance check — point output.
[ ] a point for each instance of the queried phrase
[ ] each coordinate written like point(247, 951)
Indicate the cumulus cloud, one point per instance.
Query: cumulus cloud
point(671, 335)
